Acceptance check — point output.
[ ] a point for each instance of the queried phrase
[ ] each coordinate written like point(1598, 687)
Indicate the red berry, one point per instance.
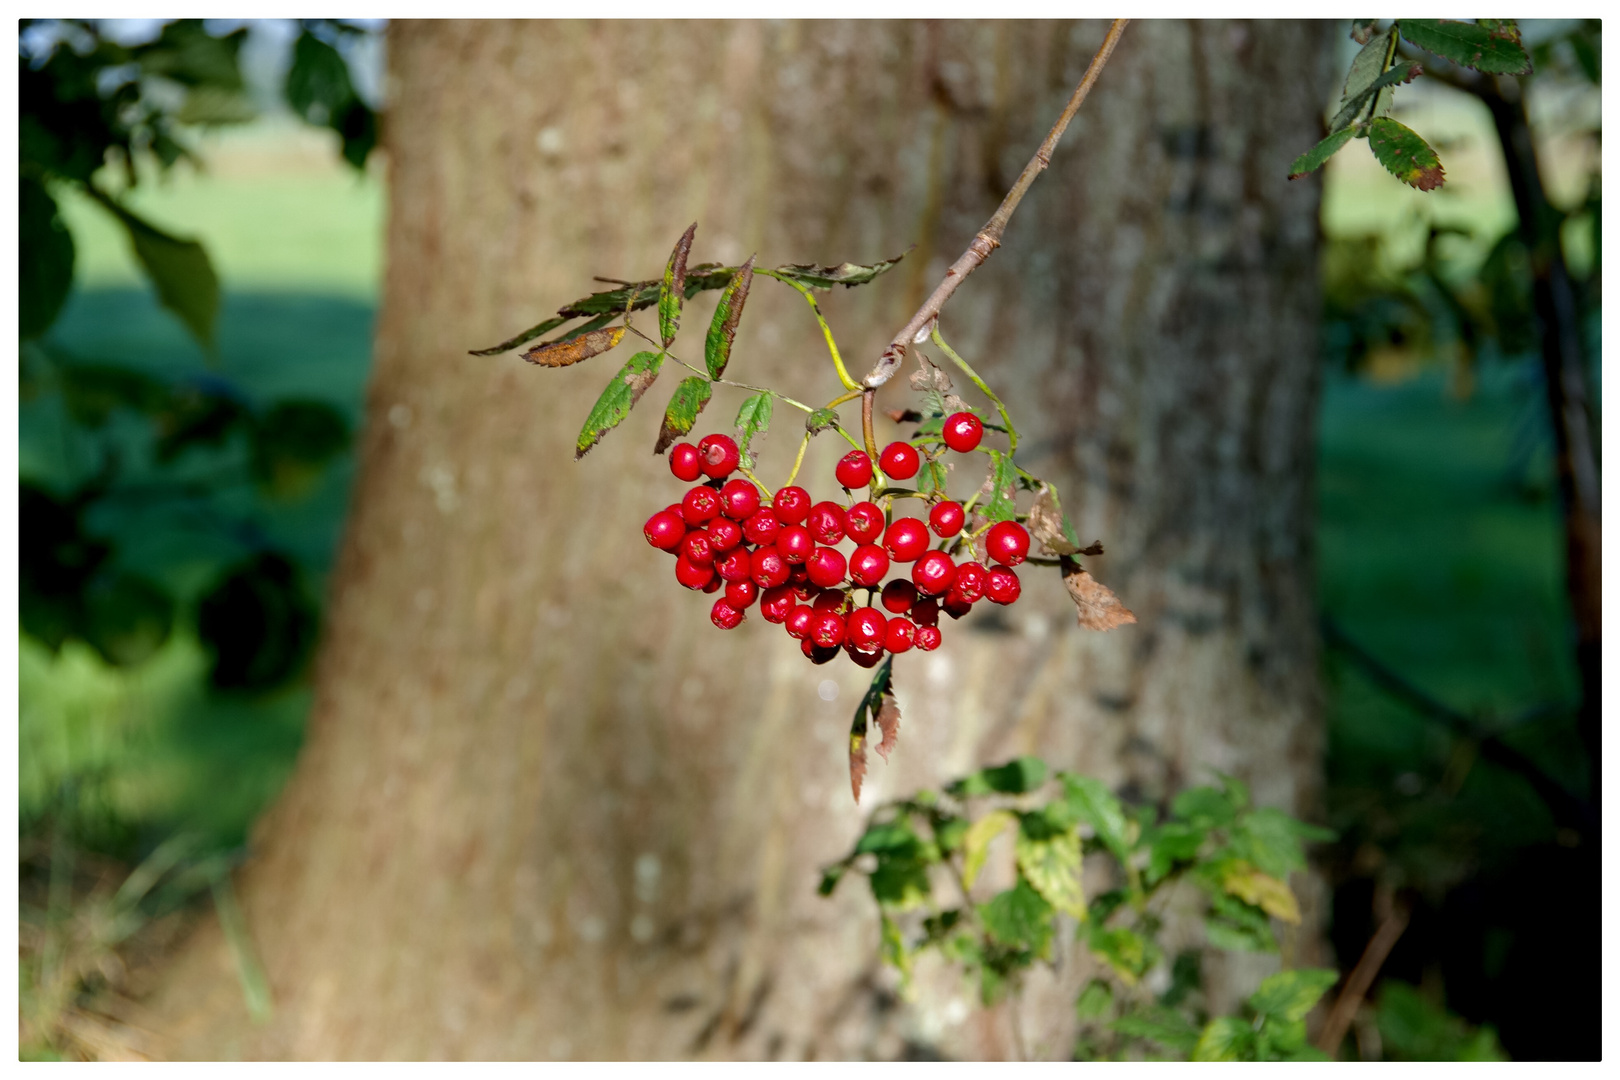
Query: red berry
point(700, 504)
point(865, 627)
point(955, 606)
point(1007, 542)
point(863, 522)
point(724, 615)
point(868, 565)
point(826, 522)
point(799, 576)
point(734, 565)
point(798, 621)
point(713, 586)
point(899, 595)
point(925, 612)
point(768, 568)
point(946, 518)
point(791, 505)
point(827, 629)
point(724, 534)
point(1002, 586)
point(866, 658)
point(693, 577)
point(684, 462)
point(899, 635)
point(854, 469)
point(906, 539)
point(664, 530)
point(696, 548)
point(900, 460)
point(775, 605)
point(739, 499)
point(826, 567)
point(816, 653)
point(928, 638)
point(828, 600)
point(762, 528)
point(739, 594)
point(933, 573)
point(963, 431)
point(795, 544)
point(971, 579)
point(718, 455)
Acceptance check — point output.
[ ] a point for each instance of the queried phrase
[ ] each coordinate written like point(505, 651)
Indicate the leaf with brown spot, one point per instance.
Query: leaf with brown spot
point(1047, 524)
point(673, 291)
point(563, 353)
point(618, 399)
point(888, 722)
point(1099, 608)
point(727, 313)
point(1404, 153)
point(1489, 46)
point(846, 274)
point(684, 405)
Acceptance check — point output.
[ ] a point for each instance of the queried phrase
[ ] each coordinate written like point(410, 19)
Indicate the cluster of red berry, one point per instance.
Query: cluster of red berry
point(784, 553)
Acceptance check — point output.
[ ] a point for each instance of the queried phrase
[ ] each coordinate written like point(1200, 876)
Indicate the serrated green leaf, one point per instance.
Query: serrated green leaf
point(1003, 477)
point(672, 293)
point(900, 883)
point(180, 270)
point(891, 838)
point(753, 419)
point(1237, 926)
point(1090, 801)
point(618, 399)
point(727, 313)
point(1492, 50)
point(1123, 949)
point(1052, 866)
point(1164, 1026)
point(1404, 153)
point(1019, 916)
point(846, 274)
point(1368, 64)
point(1270, 839)
point(1317, 156)
point(1014, 778)
point(1094, 1001)
point(1269, 894)
point(1204, 806)
point(1289, 995)
point(976, 842)
point(1225, 1038)
point(1170, 844)
point(932, 477)
point(1352, 108)
point(681, 414)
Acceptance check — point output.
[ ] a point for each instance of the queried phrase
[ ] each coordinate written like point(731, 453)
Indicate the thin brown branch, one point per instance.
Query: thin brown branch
point(1361, 979)
point(989, 238)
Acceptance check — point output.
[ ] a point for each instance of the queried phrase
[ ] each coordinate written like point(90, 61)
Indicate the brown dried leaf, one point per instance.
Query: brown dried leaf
point(857, 763)
point(888, 722)
point(1099, 608)
point(1045, 523)
point(563, 353)
point(1094, 549)
point(903, 416)
point(929, 377)
point(954, 404)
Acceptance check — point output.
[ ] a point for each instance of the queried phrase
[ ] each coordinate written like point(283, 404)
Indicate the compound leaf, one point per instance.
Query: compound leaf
point(1003, 483)
point(1019, 916)
point(1225, 1038)
point(1317, 156)
point(1090, 800)
point(618, 399)
point(1350, 109)
point(1014, 778)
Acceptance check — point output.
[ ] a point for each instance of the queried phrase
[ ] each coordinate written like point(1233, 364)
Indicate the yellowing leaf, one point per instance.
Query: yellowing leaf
point(1052, 865)
point(1270, 895)
point(976, 844)
point(563, 353)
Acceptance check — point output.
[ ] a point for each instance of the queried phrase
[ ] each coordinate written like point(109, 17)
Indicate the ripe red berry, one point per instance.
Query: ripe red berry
point(735, 565)
point(899, 635)
point(946, 518)
point(928, 638)
point(1002, 587)
point(724, 534)
point(718, 455)
point(854, 469)
point(827, 629)
point(818, 654)
point(899, 595)
point(761, 529)
point(693, 577)
point(700, 504)
point(684, 462)
point(863, 522)
point(925, 612)
point(827, 599)
point(1007, 542)
point(714, 585)
point(900, 460)
point(775, 605)
point(906, 539)
point(791, 505)
point(739, 594)
point(868, 565)
point(826, 567)
point(798, 620)
point(739, 499)
point(795, 544)
point(768, 568)
point(724, 615)
point(826, 522)
point(963, 431)
point(955, 606)
point(865, 628)
point(798, 576)
point(971, 579)
point(664, 530)
point(866, 658)
point(696, 548)
point(933, 573)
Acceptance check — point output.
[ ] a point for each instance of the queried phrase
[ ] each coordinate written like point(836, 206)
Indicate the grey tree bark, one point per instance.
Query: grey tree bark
point(544, 809)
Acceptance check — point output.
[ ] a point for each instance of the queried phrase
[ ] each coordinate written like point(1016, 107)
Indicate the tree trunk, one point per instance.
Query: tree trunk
point(544, 808)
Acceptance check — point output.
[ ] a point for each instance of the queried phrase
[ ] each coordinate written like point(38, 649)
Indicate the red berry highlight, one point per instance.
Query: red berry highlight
point(854, 469)
point(868, 565)
point(827, 630)
point(946, 518)
point(664, 530)
point(899, 635)
point(866, 658)
point(761, 529)
point(963, 431)
point(971, 579)
point(724, 615)
point(799, 619)
point(718, 455)
point(863, 522)
point(739, 594)
point(791, 505)
point(933, 573)
point(826, 567)
point(955, 606)
point(696, 548)
point(739, 499)
point(928, 638)
point(724, 534)
point(684, 462)
point(700, 504)
point(826, 522)
point(775, 605)
point(734, 565)
point(906, 539)
point(693, 577)
point(865, 627)
point(768, 568)
point(899, 460)
point(1007, 542)
point(795, 543)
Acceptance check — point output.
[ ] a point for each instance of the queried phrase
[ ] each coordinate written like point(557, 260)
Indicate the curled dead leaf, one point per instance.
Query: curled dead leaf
point(1099, 608)
point(1045, 523)
point(563, 353)
point(857, 764)
point(888, 722)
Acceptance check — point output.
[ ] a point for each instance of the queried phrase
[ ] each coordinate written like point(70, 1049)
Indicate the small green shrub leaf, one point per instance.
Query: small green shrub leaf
point(1289, 995)
point(1014, 778)
point(688, 400)
point(1225, 1038)
point(1002, 482)
point(1127, 952)
point(753, 421)
point(1164, 1026)
point(1019, 916)
point(976, 842)
point(618, 399)
point(45, 259)
point(1350, 110)
point(1317, 156)
point(1052, 866)
point(1094, 1001)
point(1404, 153)
point(1494, 49)
point(1091, 802)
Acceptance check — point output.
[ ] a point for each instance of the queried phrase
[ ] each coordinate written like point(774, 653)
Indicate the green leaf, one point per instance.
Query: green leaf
point(1350, 110)
point(976, 842)
point(1014, 778)
point(1051, 864)
point(892, 838)
point(1270, 839)
point(179, 269)
point(1094, 1001)
point(1494, 50)
point(189, 55)
point(1404, 153)
point(950, 833)
point(846, 274)
point(45, 259)
point(318, 88)
point(1317, 156)
point(900, 883)
point(618, 399)
point(1123, 949)
point(214, 105)
point(1225, 1038)
point(1289, 995)
point(128, 617)
point(1367, 66)
point(673, 291)
point(1240, 927)
point(685, 403)
point(293, 443)
point(1003, 478)
point(753, 420)
point(1019, 916)
point(893, 949)
point(1413, 1029)
point(1091, 802)
point(1164, 1026)
point(521, 339)
point(727, 313)
point(820, 421)
point(1207, 806)
point(932, 478)
point(830, 878)
point(1170, 844)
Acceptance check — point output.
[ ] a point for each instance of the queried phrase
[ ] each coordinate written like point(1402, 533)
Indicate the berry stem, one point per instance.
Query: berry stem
point(832, 346)
point(1012, 432)
point(878, 481)
point(798, 461)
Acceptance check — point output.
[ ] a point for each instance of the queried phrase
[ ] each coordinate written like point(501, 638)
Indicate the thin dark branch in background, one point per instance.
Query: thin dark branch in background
point(1361, 979)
